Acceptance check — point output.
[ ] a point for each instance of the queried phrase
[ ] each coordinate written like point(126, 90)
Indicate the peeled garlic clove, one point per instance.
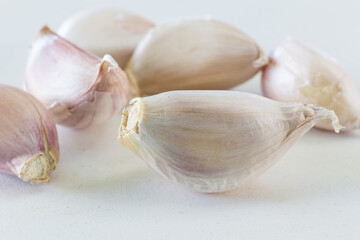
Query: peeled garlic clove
point(212, 141)
point(79, 89)
point(299, 73)
point(193, 54)
point(106, 31)
point(29, 145)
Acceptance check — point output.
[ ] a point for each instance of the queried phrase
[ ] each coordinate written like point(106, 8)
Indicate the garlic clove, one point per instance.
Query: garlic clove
point(29, 145)
point(193, 54)
point(299, 73)
point(78, 88)
point(213, 141)
point(106, 31)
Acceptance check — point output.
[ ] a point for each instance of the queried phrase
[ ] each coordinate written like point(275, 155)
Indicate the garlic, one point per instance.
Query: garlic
point(193, 54)
point(29, 145)
point(77, 87)
point(299, 73)
point(213, 141)
point(106, 31)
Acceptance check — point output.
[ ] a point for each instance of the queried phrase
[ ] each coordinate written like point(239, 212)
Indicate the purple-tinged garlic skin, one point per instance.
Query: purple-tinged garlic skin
point(299, 73)
point(78, 88)
point(106, 31)
point(29, 145)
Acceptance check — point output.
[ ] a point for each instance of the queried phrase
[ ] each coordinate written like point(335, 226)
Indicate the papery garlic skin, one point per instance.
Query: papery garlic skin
point(299, 73)
point(78, 88)
point(213, 141)
point(29, 145)
point(193, 54)
point(106, 31)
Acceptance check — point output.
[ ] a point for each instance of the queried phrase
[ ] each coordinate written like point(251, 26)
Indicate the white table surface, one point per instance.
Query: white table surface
point(101, 191)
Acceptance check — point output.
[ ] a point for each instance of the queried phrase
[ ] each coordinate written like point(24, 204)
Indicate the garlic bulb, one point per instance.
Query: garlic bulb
point(299, 73)
point(193, 54)
point(106, 31)
point(78, 88)
point(212, 141)
point(29, 145)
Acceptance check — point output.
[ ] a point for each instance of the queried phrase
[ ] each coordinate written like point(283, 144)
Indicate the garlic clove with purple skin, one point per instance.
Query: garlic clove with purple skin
point(29, 145)
point(78, 88)
point(299, 73)
point(106, 31)
point(213, 141)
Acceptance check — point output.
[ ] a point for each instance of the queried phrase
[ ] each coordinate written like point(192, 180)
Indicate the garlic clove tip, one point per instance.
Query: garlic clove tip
point(261, 61)
point(324, 113)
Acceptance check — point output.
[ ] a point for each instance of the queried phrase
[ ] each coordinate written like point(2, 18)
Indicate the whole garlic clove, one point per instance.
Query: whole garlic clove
point(29, 145)
point(193, 54)
point(78, 88)
point(106, 31)
point(212, 141)
point(299, 73)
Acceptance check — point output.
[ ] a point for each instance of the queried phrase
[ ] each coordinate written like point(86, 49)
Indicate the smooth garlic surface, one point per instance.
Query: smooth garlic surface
point(193, 54)
point(106, 31)
point(29, 145)
point(78, 88)
point(212, 141)
point(300, 73)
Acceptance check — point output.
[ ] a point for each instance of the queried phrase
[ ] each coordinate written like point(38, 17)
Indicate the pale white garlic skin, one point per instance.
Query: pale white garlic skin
point(212, 141)
point(299, 73)
point(29, 145)
point(78, 88)
point(194, 54)
point(106, 31)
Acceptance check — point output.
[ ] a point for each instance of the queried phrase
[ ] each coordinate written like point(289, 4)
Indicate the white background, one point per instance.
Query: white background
point(101, 191)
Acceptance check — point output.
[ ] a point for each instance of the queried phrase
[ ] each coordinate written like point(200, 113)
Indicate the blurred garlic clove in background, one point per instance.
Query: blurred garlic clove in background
point(106, 31)
point(299, 73)
point(193, 54)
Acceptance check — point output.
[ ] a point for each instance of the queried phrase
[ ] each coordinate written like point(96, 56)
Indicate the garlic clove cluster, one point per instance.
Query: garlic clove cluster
point(213, 141)
point(193, 54)
point(106, 31)
point(29, 145)
point(78, 88)
point(300, 73)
